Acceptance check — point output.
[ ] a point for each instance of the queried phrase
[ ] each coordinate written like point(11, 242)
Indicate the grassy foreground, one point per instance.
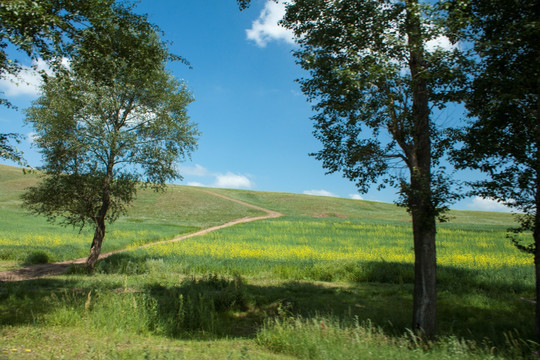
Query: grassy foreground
point(332, 279)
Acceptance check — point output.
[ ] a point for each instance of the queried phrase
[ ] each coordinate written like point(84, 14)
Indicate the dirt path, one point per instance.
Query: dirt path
point(59, 268)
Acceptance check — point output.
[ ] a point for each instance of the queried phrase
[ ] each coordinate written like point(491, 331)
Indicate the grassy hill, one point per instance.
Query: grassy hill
point(331, 279)
point(191, 207)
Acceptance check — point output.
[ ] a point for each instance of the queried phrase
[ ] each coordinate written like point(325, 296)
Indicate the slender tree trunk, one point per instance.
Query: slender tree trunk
point(425, 264)
point(420, 197)
point(99, 233)
point(95, 249)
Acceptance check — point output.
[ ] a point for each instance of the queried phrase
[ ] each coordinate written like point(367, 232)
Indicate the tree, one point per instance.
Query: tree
point(374, 84)
point(115, 119)
point(502, 138)
point(45, 30)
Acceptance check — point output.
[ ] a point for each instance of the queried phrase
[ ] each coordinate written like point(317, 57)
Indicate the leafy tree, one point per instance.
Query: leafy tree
point(43, 29)
point(115, 119)
point(374, 83)
point(502, 138)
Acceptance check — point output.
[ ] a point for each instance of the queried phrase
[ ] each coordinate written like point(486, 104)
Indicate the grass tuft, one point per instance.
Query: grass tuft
point(36, 257)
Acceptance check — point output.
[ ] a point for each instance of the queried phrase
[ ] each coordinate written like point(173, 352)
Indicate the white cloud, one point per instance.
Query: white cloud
point(487, 204)
point(320, 193)
point(356, 197)
point(196, 170)
point(228, 180)
point(266, 27)
point(28, 80)
point(441, 42)
point(232, 181)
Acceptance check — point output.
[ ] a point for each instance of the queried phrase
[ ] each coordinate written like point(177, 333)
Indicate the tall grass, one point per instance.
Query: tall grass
point(328, 338)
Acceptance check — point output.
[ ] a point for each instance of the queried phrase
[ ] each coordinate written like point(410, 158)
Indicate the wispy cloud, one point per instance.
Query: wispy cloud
point(356, 197)
point(487, 204)
point(266, 27)
point(196, 170)
point(213, 179)
point(320, 193)
point(28, 81)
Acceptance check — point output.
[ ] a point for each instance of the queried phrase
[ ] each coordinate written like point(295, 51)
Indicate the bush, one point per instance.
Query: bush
point(37, 257)
point(123, 264)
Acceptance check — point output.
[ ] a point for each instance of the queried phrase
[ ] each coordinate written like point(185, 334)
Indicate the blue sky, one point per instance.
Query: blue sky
point(255, 122)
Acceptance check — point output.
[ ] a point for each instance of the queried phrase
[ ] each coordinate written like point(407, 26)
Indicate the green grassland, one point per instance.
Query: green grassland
point(331, 279)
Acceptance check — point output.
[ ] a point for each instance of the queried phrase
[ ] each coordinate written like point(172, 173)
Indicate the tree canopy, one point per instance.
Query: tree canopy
point(502, 138)
point(114, 119)
point(44, 30)
point(502, 99)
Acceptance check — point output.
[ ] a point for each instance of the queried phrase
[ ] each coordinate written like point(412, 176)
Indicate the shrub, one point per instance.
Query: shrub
point(37, 257)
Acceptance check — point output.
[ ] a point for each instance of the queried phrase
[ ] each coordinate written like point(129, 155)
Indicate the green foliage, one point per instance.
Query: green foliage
point(9, 151)
point(502, 137)
point(45, 30)
point(116, 118)
point(76, 198)
point(363, 87)
point(243, 4)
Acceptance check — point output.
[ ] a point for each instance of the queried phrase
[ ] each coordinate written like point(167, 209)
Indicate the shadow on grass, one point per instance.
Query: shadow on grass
point(27, 302)
point(215, 306)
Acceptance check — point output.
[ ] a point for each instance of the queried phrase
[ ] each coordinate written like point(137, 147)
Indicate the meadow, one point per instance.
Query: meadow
point(331, 279)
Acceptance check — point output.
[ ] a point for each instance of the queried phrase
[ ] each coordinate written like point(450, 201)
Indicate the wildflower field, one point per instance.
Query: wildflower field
point(331, 279)
point(297, 240)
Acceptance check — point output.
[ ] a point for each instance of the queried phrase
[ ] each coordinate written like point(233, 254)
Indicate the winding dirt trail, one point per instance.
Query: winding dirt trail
point(58, 268)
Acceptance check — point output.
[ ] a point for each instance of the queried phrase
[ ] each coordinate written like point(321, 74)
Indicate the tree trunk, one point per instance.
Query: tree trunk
point(95, 249)
point(425, 269)
point(420, 196)
point(99, 233)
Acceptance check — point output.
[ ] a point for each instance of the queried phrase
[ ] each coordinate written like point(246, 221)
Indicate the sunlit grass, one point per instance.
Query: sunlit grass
point(331, 279)
point(23, 235)
point(312, 240)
